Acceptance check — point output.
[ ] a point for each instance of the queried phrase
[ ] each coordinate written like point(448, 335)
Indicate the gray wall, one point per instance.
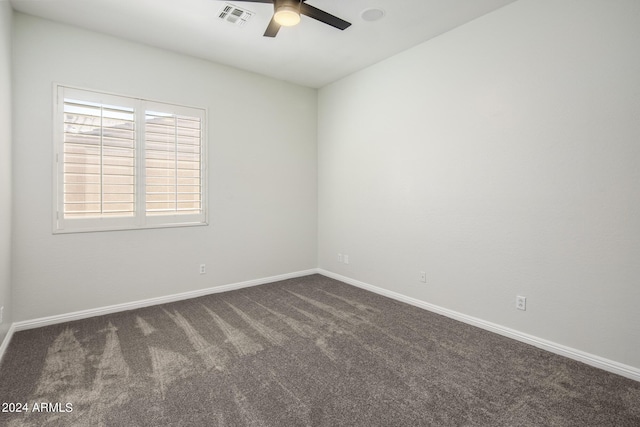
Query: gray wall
point(262, 176)
point(6, 15)
point(502, 159)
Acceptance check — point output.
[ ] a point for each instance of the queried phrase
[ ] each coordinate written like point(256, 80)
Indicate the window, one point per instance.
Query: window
point(125, 163)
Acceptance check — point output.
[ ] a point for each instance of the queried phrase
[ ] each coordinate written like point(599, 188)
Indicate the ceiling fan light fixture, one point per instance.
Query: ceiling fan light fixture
point(287, 15)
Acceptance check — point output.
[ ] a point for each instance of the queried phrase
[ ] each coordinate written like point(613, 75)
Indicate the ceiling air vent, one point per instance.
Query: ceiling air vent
point(234, 14)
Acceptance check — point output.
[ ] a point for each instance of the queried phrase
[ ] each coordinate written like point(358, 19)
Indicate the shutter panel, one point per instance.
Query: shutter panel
point(173, 147)
point(98, 160)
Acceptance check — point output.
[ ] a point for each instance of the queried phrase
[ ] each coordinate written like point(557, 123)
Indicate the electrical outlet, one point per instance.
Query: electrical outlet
point(203, 269)
point(423, 277)
point(339, 257)
point(346, 259)
point(521, 303)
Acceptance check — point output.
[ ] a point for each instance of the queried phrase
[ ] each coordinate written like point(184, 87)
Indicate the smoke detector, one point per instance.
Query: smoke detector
point(372, 14)
point(234, 14)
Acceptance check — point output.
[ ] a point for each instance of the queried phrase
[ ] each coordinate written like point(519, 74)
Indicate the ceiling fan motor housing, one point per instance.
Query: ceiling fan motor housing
point(295, 4)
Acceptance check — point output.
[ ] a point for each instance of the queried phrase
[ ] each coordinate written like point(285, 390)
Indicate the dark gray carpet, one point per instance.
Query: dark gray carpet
point(303, 352)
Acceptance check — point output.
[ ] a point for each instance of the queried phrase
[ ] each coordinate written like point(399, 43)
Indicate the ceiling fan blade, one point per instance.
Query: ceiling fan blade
point(272, 28)
point(323, 16)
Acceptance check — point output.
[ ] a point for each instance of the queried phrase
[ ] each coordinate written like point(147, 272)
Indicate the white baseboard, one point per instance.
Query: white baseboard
point(572, 353)
point(100, 311)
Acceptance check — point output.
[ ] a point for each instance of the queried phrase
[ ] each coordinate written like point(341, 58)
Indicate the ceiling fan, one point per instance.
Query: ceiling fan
point(287, 13)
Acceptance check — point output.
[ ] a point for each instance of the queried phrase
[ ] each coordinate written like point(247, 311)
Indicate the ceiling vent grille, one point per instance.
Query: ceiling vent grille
point(234, 14)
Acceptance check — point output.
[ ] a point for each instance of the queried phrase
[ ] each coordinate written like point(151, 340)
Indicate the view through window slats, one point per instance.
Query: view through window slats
point(99, 160)
point(172, 162)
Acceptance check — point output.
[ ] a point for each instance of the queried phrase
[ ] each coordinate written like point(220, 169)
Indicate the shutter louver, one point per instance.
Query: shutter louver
point(98, 160)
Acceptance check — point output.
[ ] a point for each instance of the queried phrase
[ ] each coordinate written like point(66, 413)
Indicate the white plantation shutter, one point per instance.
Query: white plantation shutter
point(98, 160)
point(125, 163)
point(172, 162)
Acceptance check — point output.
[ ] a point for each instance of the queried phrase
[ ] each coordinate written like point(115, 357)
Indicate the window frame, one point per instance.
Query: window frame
point(140, 219)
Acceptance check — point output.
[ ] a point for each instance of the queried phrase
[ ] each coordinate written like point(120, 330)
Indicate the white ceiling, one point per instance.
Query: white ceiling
point(311, 54)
